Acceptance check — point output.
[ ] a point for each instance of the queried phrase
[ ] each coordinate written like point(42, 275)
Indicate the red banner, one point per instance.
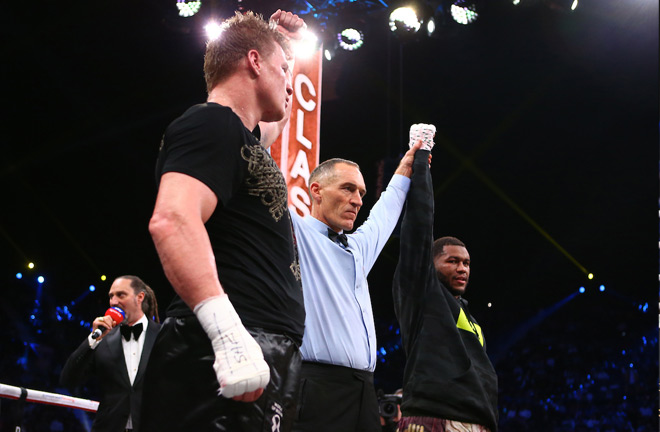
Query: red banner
point(296, 151)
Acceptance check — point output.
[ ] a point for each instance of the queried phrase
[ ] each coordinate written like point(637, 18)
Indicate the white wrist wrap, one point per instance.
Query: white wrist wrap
point(239, 362)
point(422, 131)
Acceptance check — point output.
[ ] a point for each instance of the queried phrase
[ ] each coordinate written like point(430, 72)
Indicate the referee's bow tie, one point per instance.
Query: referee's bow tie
point(341, 238)
point(127, 331)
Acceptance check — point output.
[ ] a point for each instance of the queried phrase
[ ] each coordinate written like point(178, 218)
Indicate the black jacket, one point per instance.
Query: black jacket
point(107, 364)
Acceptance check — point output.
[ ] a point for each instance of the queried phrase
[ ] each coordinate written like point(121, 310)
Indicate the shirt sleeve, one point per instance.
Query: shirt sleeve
point(370, 238)
point(205, 144)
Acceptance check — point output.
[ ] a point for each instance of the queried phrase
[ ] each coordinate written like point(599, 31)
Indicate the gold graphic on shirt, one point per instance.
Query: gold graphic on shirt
point(295, 269)
point(295, 265)
point(265, 180)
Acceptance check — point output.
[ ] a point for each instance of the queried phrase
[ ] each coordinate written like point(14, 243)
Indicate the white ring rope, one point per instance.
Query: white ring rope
point(12, 392)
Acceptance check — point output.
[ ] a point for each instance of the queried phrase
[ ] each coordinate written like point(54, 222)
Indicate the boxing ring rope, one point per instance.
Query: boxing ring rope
point(23, 394)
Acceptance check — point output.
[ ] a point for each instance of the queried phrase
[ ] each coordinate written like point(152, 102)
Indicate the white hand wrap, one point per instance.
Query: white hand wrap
point(422, 131)
point(239, 362)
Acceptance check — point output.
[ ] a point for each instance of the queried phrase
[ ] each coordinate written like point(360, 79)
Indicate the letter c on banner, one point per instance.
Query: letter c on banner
point(301, 79)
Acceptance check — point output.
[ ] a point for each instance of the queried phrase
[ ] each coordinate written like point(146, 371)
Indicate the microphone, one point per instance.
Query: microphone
point(116, 313)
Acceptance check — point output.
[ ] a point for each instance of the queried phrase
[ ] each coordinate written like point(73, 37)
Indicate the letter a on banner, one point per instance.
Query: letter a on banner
point(296, 151)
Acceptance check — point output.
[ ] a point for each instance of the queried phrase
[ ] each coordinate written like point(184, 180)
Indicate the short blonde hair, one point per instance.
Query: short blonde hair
point(240, 34)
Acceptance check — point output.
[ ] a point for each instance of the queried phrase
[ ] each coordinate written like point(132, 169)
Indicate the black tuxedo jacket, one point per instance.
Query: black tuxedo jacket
point(107, 364)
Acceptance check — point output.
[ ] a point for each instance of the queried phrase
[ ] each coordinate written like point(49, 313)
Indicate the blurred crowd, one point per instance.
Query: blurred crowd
point(593, 366)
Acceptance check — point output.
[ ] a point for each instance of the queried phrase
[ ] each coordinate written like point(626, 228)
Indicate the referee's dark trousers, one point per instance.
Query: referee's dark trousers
point(336, 399)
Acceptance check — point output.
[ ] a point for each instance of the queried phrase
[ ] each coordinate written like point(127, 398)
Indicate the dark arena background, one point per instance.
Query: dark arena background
point(546, 165)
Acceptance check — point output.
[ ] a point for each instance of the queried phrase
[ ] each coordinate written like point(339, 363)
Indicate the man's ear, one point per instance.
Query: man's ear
point(315, 191)
point(254, 61)
point(140, 297)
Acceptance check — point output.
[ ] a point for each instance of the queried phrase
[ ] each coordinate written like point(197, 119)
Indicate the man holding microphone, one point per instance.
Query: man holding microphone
point(117, 354)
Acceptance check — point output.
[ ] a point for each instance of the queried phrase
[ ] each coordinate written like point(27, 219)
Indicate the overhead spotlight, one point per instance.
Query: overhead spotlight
point(464, 11)
point(404, 20)
point(350, 39)
point(213, 30)
point(330, 50)
point(188, 8)
point(328, 54)
point(430, 26)
point(307, 46)
point(330, 44)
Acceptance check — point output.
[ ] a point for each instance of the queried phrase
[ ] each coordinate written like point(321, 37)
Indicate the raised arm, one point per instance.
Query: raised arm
point(270, 131)
point(289, 24)
point(416, 258)
point(293, 27)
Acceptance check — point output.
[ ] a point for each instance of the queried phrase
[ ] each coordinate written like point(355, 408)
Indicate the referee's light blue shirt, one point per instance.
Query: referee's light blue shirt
point(339, 323)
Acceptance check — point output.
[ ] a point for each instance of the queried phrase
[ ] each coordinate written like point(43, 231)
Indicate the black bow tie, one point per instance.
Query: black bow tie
point(126, 331)
point(338, 237)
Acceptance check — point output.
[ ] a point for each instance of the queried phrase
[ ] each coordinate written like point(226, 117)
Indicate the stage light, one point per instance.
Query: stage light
point(307, 45)
point(590, 276)
point(188, 8)
point(582, 290)
point(213, 30)
point(574, 5)
point(404, 20)
point(602, 288)
point(92, 288)
point(350, 39)
point(330, 44)
point(328, 54)
point(30, 265)
point(464, 11)
point(40, 279)
point(19, 275)
point(430, 26)
point(103, 277)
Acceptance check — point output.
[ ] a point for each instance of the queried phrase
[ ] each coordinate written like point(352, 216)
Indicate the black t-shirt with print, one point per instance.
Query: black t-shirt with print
point(250, 229)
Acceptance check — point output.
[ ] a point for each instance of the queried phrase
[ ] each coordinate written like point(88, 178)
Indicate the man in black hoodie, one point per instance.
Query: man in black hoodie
point(449, 382)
